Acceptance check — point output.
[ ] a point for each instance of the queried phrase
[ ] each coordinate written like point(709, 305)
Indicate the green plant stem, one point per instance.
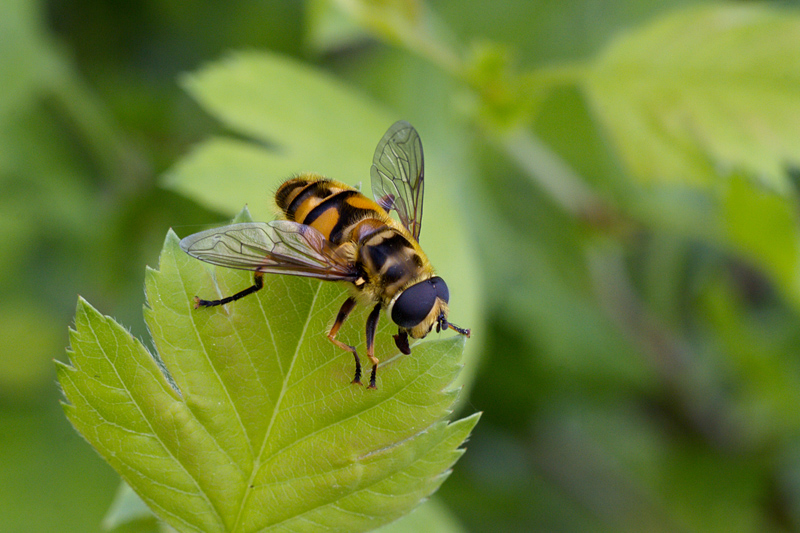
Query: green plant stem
point(554, 175)
point(559, 75)
point(410, 25)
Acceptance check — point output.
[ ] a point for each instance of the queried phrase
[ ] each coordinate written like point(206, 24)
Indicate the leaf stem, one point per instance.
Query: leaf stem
point(558, 75)
point(553, 174)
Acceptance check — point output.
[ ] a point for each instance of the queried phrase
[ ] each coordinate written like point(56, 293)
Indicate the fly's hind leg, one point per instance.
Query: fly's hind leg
point(344, 311)
point(258, 283)
point(372, 326)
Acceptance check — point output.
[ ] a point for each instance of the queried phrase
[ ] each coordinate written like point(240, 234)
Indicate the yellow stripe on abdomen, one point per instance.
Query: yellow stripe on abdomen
point(326, 221)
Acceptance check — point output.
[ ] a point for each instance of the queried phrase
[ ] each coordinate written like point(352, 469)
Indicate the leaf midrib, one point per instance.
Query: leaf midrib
point(284, 387)
point(376, 405)
point(387, 474)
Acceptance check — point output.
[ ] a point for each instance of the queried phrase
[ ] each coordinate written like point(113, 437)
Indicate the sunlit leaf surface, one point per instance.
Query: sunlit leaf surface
point(258, 427)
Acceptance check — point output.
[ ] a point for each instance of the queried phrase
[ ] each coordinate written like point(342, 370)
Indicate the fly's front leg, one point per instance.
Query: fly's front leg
point(372, 326)
point(258, 283)
point(347, 306)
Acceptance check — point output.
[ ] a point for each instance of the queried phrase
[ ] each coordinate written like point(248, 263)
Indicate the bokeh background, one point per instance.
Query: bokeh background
point(638, 362)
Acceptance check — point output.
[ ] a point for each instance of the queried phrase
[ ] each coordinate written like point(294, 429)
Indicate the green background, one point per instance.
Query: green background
point(636, 349)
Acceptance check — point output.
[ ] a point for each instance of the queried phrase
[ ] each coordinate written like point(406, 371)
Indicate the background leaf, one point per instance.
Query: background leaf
point(702, 90)
point(310, 121)
point(129, 514)
point(258, 408)
point(763, 226)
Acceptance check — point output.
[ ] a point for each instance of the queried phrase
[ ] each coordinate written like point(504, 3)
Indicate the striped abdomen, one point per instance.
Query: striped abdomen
point(332, 208)
point(389, 256)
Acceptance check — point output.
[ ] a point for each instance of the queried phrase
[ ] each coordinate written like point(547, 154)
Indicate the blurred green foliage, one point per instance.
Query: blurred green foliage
point(633, 216)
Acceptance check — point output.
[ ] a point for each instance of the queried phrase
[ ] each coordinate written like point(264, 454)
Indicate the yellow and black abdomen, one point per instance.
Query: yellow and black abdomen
point(331, 207)
point(388, 254)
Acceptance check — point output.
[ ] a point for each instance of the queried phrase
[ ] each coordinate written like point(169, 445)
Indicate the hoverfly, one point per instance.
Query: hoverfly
point(333, 232)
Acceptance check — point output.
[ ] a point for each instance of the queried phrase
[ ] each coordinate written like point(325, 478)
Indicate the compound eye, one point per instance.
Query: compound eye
point(442, 292)
point(414, 304)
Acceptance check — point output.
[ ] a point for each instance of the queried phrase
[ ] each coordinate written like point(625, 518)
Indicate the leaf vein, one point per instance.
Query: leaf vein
point(205, 497)
point(275, 411)
point(339, 421)
point(366, 488)
point(219, 379)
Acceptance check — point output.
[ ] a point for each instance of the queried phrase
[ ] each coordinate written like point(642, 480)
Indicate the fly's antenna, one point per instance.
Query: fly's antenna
point(443, 324)
point(463, 331)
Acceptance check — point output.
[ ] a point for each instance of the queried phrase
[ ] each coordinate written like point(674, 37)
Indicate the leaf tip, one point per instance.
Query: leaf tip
point(243, 215)
point(83, 311)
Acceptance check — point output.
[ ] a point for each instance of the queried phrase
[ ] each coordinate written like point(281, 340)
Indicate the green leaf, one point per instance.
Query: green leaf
point(703, 90)
point(762, 226)
point(433, 516)
point(128, 513)
point(314, 123)
point(409, 24)
point(28, 60)
point(328, 29)
point(257, 426)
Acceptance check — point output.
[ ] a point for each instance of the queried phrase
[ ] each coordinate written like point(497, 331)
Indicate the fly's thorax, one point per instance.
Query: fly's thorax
point(392, 260)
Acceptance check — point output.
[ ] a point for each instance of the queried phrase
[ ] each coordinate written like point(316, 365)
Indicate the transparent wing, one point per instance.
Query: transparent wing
point(398, 179)
point(277, 247)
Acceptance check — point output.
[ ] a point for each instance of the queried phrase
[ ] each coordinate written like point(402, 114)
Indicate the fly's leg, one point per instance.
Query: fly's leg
point(347, 306)
point(258, 283)
point(372, 326)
